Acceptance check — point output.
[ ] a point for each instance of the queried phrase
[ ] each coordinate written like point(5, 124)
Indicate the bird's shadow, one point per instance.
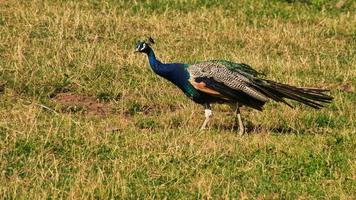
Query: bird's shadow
point(251, 128)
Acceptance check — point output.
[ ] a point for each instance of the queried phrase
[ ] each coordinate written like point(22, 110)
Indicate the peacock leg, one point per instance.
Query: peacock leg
point(238, 118)
point(208, 113)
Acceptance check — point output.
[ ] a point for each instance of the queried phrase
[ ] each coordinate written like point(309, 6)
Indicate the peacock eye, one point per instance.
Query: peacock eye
point(143, 46)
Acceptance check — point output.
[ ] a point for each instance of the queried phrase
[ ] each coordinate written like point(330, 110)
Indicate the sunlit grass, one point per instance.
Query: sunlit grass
point(143, 141)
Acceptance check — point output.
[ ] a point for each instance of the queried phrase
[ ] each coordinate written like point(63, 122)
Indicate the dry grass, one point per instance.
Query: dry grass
point(148, 144)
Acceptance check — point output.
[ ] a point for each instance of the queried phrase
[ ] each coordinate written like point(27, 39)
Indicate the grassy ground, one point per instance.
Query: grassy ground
point(81, 116)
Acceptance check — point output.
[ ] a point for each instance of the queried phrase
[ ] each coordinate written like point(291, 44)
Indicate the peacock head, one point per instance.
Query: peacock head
point(144, 46)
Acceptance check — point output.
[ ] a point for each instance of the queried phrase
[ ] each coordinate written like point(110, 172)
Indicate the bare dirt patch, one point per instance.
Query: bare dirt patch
point(71, 103)
point(344, 87)
point(2, 87)
point(347, 87)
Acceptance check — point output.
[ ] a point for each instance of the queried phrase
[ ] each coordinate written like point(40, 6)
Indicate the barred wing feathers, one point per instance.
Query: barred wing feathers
point(228, 75)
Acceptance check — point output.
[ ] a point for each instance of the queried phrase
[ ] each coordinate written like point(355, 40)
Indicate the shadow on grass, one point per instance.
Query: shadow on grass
point(255, 128)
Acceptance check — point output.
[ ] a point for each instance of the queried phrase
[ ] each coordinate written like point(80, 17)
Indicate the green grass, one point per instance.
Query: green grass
point(137, 140)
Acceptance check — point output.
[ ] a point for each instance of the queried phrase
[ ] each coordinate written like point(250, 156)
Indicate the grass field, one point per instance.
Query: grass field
point(82, 116)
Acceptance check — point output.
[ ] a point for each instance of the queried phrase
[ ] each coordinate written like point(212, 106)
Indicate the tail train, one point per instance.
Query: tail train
point(312, 97)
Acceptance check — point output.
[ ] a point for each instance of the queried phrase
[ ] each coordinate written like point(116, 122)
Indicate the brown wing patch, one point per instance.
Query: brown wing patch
point(202, 87)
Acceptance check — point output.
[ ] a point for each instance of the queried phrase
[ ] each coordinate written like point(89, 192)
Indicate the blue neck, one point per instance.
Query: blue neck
point(154, 63)
point(174, 72)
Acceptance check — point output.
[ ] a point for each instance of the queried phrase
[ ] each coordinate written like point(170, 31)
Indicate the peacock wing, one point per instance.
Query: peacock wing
point(222, 76)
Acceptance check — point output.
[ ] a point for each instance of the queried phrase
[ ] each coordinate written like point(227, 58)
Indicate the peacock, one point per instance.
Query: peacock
point(226, 82)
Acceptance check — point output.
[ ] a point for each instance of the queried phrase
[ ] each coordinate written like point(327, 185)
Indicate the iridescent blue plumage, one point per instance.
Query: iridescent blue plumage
point(174, 72)
point(178, 74)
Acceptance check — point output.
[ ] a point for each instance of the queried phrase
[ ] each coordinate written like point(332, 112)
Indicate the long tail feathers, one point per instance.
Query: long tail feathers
point(312, 97)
